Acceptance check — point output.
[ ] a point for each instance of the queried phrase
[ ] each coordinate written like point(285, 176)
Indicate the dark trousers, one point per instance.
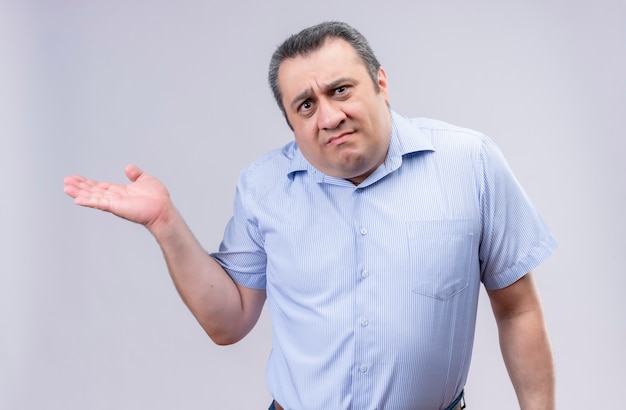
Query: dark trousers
point(457, 404)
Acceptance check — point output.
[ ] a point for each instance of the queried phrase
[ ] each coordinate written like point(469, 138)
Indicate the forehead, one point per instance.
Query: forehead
point(336, 58)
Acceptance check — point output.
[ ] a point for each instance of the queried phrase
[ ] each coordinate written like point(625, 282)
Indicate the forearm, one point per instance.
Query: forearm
point(528, 357)
point(226, 311)
point(207, 290)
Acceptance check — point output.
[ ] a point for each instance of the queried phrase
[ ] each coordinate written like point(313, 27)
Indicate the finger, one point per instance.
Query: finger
point(76, 186)
point(71, 190)
point(96, 194)
point(90, 193)
point(91, 201)
point(71, 185)
point(81, 182)
point(133, 172)
point(73, 179)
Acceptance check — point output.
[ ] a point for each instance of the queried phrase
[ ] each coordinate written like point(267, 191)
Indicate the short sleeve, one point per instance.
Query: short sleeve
point(514, 238)
point(241, 252)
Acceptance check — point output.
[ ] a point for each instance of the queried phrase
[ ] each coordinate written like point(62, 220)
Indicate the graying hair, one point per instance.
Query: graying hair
point(312, 39)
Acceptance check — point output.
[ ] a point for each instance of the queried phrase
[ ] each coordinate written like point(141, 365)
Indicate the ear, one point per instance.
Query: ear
point(383, 85)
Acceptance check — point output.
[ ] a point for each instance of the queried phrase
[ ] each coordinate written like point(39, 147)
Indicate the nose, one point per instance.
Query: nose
point(329, 115)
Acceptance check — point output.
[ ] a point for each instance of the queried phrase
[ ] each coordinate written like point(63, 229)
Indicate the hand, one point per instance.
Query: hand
point(145, 200)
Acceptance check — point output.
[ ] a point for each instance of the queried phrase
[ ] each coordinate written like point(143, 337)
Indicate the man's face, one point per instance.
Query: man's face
point(341, 123)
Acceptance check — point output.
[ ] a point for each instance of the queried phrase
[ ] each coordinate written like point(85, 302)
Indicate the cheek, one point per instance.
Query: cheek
point(305, 133)
point(310, 147)
point(304, 143)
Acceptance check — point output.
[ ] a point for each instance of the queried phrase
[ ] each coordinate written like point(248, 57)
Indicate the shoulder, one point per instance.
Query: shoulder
point(447, 140)
point(443, 132)
point(440, 134)
point(270, 169)
point(274, 160)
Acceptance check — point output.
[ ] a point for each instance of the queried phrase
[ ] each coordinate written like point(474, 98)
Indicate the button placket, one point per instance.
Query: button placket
point(363, 309)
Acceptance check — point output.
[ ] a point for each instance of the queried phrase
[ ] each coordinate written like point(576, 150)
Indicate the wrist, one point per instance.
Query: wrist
point(166, 222)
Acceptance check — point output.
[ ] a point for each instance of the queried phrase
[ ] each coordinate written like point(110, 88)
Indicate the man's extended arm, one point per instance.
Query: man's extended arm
point(525, 344)
point(226, 311)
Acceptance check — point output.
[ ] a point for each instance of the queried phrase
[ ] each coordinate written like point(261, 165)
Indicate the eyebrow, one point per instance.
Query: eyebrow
point(301, 97)
point(304, 95)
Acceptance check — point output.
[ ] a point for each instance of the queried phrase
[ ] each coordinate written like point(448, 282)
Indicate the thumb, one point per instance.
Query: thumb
point(133, 172)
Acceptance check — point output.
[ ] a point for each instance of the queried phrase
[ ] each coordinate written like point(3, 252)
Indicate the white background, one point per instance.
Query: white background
point(89, 318)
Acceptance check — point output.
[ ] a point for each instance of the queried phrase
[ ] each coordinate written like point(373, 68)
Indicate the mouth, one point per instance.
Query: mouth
point(339, 139)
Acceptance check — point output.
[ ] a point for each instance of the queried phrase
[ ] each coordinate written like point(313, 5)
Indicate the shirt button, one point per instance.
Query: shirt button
point(363, 368)
point(363, 231)
point(365, 273)
point(364, 322)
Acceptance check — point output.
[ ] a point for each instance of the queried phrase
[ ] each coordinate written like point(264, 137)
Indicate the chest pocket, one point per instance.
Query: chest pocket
point(440, 253)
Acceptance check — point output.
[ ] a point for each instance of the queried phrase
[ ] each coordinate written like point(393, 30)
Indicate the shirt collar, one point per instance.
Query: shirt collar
point(406, 138)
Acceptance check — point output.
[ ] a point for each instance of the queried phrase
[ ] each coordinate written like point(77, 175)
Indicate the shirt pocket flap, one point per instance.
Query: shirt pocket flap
point(440, 253)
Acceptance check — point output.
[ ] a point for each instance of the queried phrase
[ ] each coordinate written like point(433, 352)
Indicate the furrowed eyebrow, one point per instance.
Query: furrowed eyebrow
point(301, 97)
point(306, 94)
point(337, 83)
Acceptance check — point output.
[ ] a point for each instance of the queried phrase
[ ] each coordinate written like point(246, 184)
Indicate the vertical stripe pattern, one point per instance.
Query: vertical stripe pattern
point(373, 289)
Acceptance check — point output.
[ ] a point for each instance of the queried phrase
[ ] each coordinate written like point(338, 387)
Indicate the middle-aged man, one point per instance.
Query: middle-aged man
point(369, 235)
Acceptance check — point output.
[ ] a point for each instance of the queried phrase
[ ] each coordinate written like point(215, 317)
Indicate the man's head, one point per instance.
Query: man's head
point(335, 105)
point(312, 39)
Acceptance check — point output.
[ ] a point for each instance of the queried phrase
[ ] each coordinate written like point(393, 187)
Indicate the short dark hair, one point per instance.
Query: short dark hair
point(312, 39)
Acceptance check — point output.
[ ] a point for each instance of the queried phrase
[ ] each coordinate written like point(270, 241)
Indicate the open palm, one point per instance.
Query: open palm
point(144, 200)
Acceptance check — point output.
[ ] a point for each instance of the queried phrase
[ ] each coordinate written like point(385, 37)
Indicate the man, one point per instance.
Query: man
point(369, 235)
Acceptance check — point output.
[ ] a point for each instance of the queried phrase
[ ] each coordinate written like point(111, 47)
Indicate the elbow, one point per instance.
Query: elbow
point(223, 338)
point(224, 341)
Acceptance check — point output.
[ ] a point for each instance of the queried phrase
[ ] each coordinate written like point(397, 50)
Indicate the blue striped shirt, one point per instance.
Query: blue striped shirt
point(373, 289)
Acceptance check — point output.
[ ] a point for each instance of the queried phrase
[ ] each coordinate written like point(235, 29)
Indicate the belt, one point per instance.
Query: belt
point(457, 404)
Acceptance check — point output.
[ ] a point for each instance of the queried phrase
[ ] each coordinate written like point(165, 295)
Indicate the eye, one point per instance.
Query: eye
point(341, 90)
point(306, 105)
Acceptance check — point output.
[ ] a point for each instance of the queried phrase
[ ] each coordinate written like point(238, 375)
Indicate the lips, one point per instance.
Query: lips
point(339, 139)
